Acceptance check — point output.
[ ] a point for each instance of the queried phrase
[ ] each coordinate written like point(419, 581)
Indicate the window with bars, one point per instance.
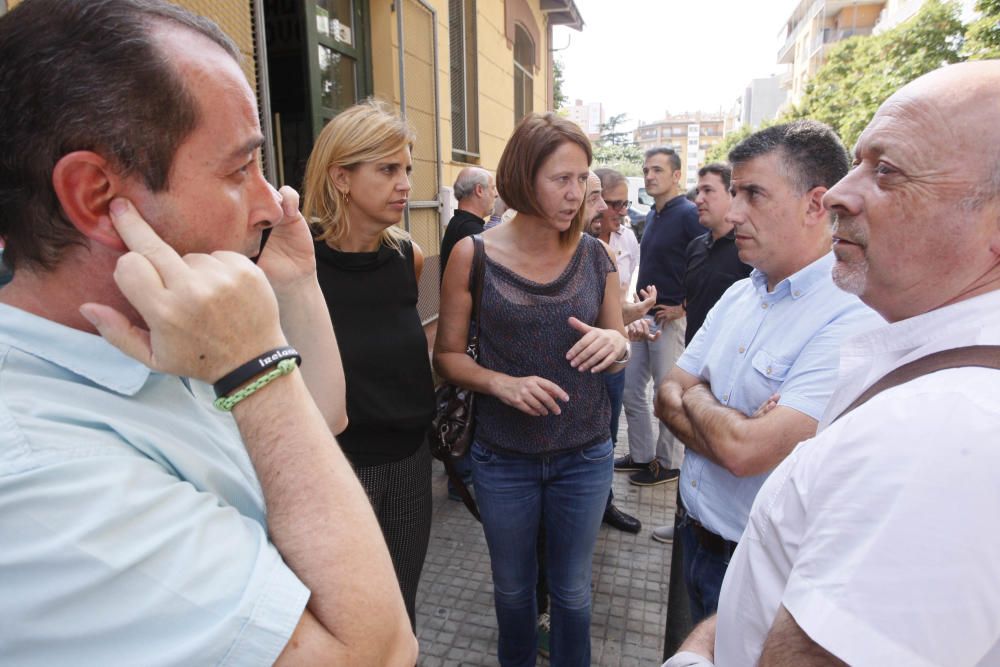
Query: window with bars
point(524, 78)
point(464, 86)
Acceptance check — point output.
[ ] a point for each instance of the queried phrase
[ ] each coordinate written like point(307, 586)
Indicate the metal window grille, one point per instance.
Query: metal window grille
point(524, 79)
point(464, 87)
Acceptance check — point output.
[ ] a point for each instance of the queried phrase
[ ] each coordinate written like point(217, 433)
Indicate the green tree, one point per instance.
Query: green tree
point(983, 36)
point(720, 151)
point(861, 72)
point(615, 149)
point(626, 158)
point(610, 135)
point(558, 79)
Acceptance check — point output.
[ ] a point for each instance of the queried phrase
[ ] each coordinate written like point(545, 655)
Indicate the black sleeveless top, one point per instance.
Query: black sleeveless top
point(524, 331)
point(372, 297)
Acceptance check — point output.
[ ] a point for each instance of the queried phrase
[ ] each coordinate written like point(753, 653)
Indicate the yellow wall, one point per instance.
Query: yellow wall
point(233, 17)
point(495, 68)
point(235, 20)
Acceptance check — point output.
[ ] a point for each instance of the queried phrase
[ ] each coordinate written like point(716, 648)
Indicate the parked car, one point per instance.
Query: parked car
point(641, 202)
point(637, 221)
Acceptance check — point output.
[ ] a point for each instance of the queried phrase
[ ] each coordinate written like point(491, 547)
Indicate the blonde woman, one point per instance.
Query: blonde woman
point(550, 324)
point(356, 190)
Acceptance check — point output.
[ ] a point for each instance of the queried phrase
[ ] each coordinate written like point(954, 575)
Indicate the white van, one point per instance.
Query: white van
point(637, 193)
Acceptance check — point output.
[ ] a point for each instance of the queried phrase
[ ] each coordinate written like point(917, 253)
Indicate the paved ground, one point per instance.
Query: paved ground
point(456, 623)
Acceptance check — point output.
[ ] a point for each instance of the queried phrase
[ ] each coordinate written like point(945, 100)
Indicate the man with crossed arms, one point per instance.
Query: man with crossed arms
point(757, 375)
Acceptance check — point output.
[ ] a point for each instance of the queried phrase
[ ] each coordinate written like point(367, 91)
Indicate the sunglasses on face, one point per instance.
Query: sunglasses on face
point(618, 204)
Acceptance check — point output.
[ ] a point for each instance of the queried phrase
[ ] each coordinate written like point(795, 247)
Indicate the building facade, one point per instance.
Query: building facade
point(690, 134)
point(761, 100)
point(812, 28)
point(463, 72)
point(590, 117)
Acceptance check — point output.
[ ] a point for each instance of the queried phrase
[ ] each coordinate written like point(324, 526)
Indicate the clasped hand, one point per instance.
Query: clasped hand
point(595, 351)
point(597, 348)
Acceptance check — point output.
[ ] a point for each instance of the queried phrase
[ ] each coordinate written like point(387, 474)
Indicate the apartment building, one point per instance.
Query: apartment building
point(812, 28)
point(691, 134)
point(761, 100)
point(589, 117)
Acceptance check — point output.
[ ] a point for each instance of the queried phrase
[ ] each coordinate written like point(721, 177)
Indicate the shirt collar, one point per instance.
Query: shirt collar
point(670, 204)
point(799, 283)
point(975, 321)
point(79, 352)
point(710, 240)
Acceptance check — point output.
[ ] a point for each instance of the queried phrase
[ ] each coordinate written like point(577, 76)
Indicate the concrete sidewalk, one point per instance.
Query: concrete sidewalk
point(456, 623)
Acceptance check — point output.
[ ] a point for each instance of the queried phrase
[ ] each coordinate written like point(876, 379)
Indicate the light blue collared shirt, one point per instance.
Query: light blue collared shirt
point(756, 343)
point(132, 524)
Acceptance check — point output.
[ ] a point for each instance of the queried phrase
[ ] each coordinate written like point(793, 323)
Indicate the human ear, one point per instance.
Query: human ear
point(85, 183)
point(341, 178)
point(815, 211)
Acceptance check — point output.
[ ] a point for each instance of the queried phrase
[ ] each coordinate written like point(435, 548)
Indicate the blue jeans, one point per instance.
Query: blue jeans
point(568, 492)
point(614, 383)
point(704, 570)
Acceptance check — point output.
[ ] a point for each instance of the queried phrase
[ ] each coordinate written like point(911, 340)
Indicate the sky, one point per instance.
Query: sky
point(647, 57)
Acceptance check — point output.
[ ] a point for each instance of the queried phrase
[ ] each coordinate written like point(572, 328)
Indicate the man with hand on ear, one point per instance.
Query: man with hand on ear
point(149, 517)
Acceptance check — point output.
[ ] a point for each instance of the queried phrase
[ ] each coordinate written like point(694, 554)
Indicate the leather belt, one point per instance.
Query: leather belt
point(706, 538)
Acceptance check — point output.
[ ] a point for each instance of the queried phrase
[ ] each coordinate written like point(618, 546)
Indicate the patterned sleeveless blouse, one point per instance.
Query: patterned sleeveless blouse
point(524, 331)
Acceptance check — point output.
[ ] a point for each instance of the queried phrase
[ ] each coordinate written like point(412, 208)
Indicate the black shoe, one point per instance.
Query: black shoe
point(625, 463)
point(615, 518)
point(654, 474)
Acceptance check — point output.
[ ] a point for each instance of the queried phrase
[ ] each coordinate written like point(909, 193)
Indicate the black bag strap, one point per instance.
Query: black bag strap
point(477, 273)
point(983, 356)
point(458, 483)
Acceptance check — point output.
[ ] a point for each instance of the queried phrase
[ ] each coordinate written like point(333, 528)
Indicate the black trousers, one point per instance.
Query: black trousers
point(400, 493)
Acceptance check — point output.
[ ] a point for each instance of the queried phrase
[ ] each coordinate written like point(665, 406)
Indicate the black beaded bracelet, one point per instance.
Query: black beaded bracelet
point(251, 369)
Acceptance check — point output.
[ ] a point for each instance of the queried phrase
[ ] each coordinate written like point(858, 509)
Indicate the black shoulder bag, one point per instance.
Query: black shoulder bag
point(450, 432)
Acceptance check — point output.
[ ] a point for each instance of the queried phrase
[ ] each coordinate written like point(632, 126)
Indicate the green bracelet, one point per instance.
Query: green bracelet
point(227, 403)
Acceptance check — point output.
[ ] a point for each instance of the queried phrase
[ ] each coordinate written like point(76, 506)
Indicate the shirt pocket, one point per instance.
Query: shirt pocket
point(771, 370)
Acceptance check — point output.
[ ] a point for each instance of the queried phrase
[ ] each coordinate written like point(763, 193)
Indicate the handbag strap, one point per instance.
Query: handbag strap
point(983, 356)
point(476, 278)
point(459, 484)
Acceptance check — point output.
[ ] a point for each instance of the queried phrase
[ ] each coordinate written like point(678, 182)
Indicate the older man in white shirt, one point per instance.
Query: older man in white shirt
point(875, 543)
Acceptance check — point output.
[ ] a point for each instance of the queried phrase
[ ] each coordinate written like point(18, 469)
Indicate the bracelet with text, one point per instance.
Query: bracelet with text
point(227, 403)
point(248, 371)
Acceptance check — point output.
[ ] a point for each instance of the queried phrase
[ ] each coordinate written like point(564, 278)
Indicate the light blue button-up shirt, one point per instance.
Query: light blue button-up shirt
point(132, 525)
point(756, 343)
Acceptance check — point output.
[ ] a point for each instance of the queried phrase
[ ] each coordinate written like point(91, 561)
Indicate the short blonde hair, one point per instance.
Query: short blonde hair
point(535, 138)
point(365, 132)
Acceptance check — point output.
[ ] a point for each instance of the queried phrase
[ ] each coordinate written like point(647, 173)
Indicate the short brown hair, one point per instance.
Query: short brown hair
point(535, 138)
point(85, 75)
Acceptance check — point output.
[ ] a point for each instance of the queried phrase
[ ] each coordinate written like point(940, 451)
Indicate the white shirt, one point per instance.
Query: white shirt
point(880, 534)
point(626, 249)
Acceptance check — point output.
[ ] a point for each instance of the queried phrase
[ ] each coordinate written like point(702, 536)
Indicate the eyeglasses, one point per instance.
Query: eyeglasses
point(618, 204)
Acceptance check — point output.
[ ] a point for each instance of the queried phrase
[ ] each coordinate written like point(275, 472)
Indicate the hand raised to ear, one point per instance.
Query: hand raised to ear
point(206, 314)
